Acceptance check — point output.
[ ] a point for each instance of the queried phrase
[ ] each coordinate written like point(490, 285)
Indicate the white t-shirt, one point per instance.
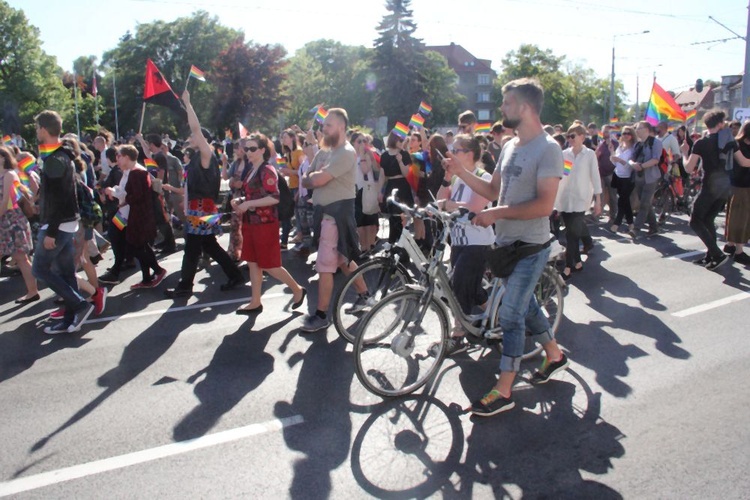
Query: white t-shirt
point(464, 233)
point(670, 143)
point(120, 193)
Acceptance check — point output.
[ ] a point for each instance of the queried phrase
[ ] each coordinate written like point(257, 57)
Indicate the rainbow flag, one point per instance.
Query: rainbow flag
point(401, 130)
point(482, 128)
point(211, 219)
point(690, 115)
point(197, 74)
point(425, 108)
point(600, 135)
point(28, 164)
point(321, 114)
point(119, 221)
point(24, 178)
point(614, 120)
point(6, 140)
point(567, 167)
point(150, 163)
point(417, 121)
point(662, 107)
point(281, 162)
point(17, 192)
point(47, 149)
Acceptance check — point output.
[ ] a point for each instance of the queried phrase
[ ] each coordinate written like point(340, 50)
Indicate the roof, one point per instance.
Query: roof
point(690, 99)
point(461, 60)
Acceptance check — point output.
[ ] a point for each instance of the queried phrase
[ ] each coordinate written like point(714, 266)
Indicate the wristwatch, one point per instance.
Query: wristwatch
point(445, 183)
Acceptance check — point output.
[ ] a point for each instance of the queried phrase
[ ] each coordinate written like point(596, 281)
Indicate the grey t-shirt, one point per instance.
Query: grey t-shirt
point(520, 168)
point(341, 164)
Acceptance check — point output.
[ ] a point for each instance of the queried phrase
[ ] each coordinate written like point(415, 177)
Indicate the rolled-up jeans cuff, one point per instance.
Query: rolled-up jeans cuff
point(510, 364)
point(543, 337)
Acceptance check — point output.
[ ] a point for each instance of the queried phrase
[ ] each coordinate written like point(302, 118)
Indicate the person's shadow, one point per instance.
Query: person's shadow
point(239, 366)
point(322, 400)
point(141, 353)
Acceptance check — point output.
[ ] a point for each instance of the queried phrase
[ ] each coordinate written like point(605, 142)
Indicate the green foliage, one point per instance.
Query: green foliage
point(248, 80)
point(174, 47)
point(571, 91)
point(30, 80)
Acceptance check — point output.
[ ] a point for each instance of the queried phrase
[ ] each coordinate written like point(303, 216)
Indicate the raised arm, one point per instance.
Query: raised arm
point(197, 139)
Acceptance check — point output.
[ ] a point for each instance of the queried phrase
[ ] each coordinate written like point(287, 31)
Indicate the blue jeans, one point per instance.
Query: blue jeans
point(520, 311)
point(57, 267)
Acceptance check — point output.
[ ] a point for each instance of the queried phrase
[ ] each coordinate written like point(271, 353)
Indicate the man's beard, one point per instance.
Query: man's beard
point(331, 140)
point(511, 123)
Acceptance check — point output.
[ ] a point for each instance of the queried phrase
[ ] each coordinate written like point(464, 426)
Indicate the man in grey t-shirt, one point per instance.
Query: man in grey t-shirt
point(526, 181)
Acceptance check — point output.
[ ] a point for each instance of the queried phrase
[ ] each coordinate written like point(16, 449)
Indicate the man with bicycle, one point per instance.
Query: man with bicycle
point(525, 183)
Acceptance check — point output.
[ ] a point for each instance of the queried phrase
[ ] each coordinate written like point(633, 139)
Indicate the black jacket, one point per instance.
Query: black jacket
point(58, 200)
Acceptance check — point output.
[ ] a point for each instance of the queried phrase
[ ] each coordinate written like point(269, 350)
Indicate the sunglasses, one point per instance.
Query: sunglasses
point(571, 136)
point(627, 133)
point(461, 150)
point(359, 141)
point(251, 149)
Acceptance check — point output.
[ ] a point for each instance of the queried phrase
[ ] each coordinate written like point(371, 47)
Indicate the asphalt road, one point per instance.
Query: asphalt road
point(185, 399)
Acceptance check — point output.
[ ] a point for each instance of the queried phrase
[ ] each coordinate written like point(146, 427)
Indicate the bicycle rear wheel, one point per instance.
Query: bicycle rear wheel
point(395, 353)
point(381, 276)
point(663, 203)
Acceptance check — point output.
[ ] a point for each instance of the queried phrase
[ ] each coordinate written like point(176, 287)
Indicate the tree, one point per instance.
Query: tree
point(174, 47)
point(30, 80)
point(248, 80)
point(397, 63)
point(440, 89)
point(325, 71)
point(571, 91)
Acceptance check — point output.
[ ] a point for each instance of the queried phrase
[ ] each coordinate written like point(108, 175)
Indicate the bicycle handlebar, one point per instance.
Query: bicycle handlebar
point(430, 209)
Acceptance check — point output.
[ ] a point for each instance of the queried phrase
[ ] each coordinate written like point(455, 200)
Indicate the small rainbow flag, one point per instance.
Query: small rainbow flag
point(24, 178)
point(281, 162)
point(600, 135)
point(690, 115)
point(614, 119)
point(17, 191)
point(197, 74)
point(6, 140)
point(150, 163)
point(211, 219)
point(417, 121)
point(567, 167)
point(28, 164)
point(47, 149)
point(482, 128)
point(321, 114)
point(401, 130)
point(425, 108)
point(119, 221)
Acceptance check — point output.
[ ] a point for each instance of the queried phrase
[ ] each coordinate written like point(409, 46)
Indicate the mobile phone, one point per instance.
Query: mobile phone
point(440, 154)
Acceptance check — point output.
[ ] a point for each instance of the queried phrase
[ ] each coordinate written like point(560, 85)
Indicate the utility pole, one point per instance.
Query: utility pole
point(746, 75)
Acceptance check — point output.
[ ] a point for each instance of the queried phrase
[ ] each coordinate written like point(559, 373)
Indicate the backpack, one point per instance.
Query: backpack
point(286, 200)
point(91, 212)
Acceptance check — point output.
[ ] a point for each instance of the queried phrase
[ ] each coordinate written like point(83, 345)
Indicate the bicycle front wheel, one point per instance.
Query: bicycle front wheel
point(395, 352)
point(381, 277)
point(663, 203)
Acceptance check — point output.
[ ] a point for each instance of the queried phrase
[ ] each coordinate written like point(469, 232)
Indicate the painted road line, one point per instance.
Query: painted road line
point(197, 305)
point(712, 305)
point(20, 485)
point(687, 255)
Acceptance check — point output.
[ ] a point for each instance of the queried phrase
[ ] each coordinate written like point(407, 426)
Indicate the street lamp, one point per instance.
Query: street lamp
point(612, 82)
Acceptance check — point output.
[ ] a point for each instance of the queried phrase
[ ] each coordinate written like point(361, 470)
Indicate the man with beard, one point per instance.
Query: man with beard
point(331, 176)
point(529, 171)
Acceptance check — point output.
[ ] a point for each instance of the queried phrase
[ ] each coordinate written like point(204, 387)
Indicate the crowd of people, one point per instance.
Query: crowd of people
point(324, 190)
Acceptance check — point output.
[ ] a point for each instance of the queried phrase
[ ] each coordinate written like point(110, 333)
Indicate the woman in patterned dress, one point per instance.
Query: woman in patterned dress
point(15, 231)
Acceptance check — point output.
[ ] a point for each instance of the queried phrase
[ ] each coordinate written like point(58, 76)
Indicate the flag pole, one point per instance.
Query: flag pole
point(117, 122)
point(143, 115)
point(75, 98)
point(187, 80)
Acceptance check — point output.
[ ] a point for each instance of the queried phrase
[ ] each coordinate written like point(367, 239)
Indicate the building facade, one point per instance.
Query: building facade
point(475, 79)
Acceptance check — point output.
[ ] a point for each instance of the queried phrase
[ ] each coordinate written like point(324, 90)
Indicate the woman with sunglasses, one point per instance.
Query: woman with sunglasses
point(261, 247)
point(623, 179)
point(366, 202)
point(580, 181)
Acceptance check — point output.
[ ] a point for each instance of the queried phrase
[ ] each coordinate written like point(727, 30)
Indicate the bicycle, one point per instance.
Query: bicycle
point(667, 200)
point(409, 327)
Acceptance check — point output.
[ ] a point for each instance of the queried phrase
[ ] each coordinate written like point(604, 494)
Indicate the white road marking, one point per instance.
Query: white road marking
point(687, 255)
point(22, 484)
point(712, 305)
point(197, 305)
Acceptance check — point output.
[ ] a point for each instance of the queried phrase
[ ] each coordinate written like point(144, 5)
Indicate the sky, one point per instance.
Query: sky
point(682, 43)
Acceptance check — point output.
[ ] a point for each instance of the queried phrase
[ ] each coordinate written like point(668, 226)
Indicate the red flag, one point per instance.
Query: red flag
point(156, 90)
point(94, 91)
